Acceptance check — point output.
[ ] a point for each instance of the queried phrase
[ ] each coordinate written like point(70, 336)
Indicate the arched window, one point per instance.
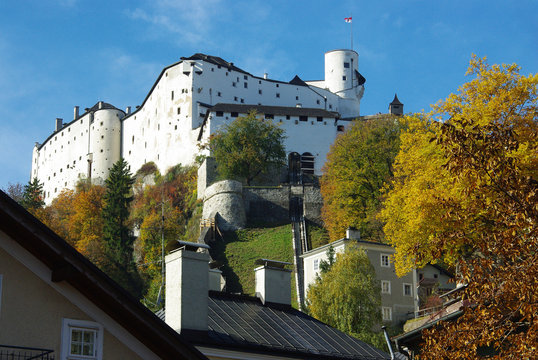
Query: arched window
point(307, 163)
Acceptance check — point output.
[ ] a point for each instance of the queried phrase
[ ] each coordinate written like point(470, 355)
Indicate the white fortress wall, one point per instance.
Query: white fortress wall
point(62, 159)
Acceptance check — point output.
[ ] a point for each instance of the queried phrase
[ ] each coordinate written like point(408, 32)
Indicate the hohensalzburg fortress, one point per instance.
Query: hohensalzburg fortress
point(189, 101)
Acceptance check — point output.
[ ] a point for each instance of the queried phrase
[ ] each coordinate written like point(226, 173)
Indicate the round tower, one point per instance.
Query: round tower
point(342, 77)
point(340, 71)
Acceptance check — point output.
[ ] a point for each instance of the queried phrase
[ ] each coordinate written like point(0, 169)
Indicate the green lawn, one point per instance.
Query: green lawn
point(239, 250)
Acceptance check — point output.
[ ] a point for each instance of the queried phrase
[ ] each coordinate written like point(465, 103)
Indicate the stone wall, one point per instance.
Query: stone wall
point(224, 200)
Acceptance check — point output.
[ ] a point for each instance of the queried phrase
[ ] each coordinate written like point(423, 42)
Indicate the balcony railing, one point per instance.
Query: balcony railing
point(25, 353)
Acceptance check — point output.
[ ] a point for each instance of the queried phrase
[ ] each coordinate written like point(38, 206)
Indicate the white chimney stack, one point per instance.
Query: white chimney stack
point(265, 75)
point(187, 286)
point(128, 110)
point(75, 113)
point(100, 105)
point(353, 234)
point(273, 281)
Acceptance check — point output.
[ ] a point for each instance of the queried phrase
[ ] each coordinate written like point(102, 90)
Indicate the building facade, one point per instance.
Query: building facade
point(189, 101)
point(398, 294)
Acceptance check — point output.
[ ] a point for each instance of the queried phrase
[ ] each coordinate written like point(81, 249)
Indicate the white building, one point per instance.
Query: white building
point(190, 100)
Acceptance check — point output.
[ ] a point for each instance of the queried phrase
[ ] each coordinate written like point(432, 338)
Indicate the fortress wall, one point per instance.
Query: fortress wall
point(267, 204)
point(225, 198)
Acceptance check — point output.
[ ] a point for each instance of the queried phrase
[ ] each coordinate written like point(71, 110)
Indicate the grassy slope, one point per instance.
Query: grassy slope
point(238, 251)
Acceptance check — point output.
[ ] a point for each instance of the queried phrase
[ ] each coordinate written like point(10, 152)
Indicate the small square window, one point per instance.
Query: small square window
point(387, 313)
point(287, 117)
point(234, 114)
point(385, 287)
point(344, 78)
point(296, 98)
point(407, 290)
point(269, 116)
point(81, 340)
point(259, 92)
point(303, 118)
point(245, 77)
point(219, 113)
point(219, 93)
point(385, 260)
point(233, 84)
point(316, 264)
point(319, 118)
point(318, 102)
point(277, 95)
point(346, 65)
point(242, 101)
point(277, 85)
point(235, 98)
point(245, 85)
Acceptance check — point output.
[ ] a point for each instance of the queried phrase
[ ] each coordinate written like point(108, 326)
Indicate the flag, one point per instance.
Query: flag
point(348, 20)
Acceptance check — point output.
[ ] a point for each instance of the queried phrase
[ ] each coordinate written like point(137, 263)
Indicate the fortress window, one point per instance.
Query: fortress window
point(344, 78)
point(178, 110)
point(330, 106)
point(346, 65)
point(303, 118)
point(158, 126)
point(172, 95)
point(219, 93)
point(277, 95)
point(234, 114)
point(269, 116)
point(226, 73)
point(61, 170)
point(101, 123)
point(129, 152)
point(101, 150)
point(218, 66)
point(62, 134)
point(287, 117)
point(65, 183)
point(307, 163)
point(102, 136)
point(340, 128)
point(317, 102)
point(259, 82)
point(132, 140)
point(245, 85)
point(235, 98)
point(80, 157)
point(233, 84)
point(219, 113)
point(238, 79)
point(296, 98)
point(320, 118)
point(277, 85)
point(212, 69)
point(175, 127)
point(260, 91)
point(242, 101)
point(245, 77)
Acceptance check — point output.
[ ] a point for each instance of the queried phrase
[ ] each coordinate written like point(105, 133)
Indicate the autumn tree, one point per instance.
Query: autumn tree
point(15, 191)
point(347, 296)
point(483, 205)
point(117, 231)
point(162, 211)
point(358, 165)
point(247, 148)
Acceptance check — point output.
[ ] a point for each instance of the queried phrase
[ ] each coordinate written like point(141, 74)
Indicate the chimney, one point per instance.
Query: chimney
point(353, 234)
point(128, 110)
point(273, 281)
point(59, 123)
point(265, 75)
point(187, 285)
point(75, 113)
point(100, 105)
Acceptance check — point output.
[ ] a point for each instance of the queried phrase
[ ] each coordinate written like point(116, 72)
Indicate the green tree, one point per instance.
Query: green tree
point(483, 209)
point(348, 297)
point(247, 148)
point(357, 167)
point(117, 234)
point(32, 198)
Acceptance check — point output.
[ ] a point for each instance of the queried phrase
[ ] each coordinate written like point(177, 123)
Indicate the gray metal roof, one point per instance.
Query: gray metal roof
point(243, 323)
point(275, 110)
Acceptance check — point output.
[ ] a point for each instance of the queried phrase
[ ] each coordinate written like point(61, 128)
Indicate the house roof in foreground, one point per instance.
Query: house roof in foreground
point(243, 323)
point(66, 264)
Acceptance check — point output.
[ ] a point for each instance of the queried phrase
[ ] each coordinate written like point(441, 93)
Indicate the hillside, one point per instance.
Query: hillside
point(238, 251)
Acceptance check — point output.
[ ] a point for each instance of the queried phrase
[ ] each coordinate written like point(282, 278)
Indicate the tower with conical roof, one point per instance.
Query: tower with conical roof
point(396, 107)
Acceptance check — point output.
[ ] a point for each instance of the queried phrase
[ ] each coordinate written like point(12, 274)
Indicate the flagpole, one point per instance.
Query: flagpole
point(351, 31)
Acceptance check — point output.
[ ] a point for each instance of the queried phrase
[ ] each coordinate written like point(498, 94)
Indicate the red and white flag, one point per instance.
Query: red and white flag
point(348, 20)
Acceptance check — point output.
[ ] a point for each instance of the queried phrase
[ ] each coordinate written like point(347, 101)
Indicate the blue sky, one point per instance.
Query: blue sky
point(56, 54)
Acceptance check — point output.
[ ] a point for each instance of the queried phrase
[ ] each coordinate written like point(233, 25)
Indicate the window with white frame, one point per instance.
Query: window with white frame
point(385, 287)
point(407, 290)
point(81, 339)
point(386, 312)
point(385, 260)
point(316, 264)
